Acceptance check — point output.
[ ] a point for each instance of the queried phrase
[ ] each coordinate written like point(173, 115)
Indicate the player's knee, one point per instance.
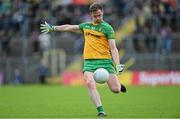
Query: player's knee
point(90, 84)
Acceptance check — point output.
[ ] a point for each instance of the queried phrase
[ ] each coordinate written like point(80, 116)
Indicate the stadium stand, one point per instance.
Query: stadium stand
point(148, 31)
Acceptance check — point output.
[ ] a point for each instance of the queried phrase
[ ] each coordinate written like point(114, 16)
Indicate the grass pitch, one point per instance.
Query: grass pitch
point(36, 101)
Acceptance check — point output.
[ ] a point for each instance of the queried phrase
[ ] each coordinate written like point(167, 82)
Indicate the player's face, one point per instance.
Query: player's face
point(97, 16)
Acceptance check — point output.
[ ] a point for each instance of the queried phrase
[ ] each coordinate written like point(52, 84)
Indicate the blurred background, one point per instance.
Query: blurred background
point(147, 36)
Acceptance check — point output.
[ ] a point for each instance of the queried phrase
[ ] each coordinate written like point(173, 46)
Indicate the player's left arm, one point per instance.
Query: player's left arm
point(46, 28)
point(114, 51)
point(115, 55)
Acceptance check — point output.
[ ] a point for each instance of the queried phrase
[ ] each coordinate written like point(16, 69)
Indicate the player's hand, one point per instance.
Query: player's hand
point(119, 68)
point(46, 28)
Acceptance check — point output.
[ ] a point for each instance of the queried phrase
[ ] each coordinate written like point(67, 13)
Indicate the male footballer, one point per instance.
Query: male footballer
point(100, 51)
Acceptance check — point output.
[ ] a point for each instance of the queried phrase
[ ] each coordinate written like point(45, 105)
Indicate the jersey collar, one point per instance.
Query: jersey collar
point(95, 24)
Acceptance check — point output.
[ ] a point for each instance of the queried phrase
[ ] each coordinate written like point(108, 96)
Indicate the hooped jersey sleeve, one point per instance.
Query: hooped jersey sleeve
point(82, 26)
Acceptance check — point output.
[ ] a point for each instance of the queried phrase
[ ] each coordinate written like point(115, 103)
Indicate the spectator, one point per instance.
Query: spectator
point(154, 39)
point(45, 42)
point(5, 42)
point(78, 45)
point(156, 14)
point(166, 39)
point(150, 36)
point(35, 41)
point(43, 71)
point(17, 77)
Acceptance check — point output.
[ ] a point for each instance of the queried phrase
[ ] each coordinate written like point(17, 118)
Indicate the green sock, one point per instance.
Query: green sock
point(100, 109)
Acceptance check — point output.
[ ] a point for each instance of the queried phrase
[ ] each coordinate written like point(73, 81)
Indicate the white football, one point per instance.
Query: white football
point(101, 75)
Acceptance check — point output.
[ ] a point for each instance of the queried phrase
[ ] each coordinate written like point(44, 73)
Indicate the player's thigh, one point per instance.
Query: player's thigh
point(114, 83)
point(89, 80)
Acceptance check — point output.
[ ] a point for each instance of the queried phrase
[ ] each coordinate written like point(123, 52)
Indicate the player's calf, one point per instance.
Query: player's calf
point(115, 89)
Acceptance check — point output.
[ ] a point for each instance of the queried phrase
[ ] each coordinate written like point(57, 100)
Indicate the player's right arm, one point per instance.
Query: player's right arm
point(46, 28)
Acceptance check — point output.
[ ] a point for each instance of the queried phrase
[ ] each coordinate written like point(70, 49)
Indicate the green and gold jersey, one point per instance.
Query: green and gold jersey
point(96, 40)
